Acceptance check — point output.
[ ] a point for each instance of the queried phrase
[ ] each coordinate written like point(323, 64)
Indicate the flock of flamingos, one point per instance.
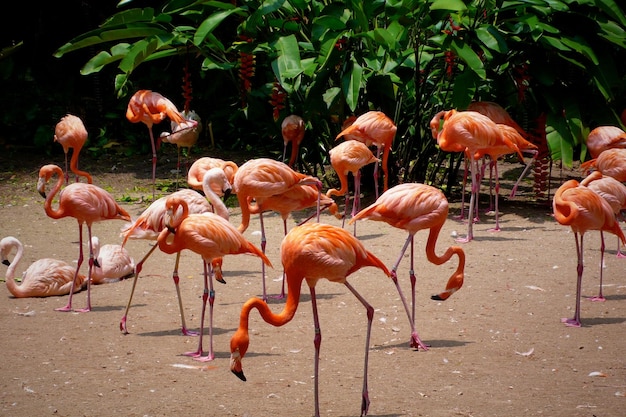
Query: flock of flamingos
point(199, 221)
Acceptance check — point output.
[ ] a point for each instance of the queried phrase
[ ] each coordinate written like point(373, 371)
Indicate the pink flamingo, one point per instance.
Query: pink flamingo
point(292, 129)
point(44, 278)
point(86, 203)
point(414, 207)
point(111, 263)
point(605, 137)
point(195, 175)
point(210, 236)
point(70, 132)
point(311, 252)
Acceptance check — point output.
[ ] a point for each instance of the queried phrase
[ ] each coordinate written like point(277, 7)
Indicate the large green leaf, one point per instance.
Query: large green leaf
point(95, 64)
point(455, 5)
point(467, 54)
point(111, 35)
point(287, 65)
point(210, 23)
point(352, 85)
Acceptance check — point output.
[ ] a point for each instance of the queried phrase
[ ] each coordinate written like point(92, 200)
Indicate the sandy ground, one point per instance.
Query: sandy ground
point(497, 347)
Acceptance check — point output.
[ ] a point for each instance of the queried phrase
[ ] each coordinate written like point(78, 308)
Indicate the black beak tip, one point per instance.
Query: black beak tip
point(6, 262)
point(240, 375)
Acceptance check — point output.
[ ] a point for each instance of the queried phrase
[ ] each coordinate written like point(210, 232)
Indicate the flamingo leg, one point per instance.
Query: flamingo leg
point(176, 279)
point(67, 172)
point(575, 321)
point(376, 173)
point(282, 289)
point(138, 269)
point(210, 294)
point(79, 262)
point(365, 403)
point(523, 174)
point(317, 342)
point(356, 203)
point(600, 297)
point(154, 161)
point(470, 217)
point(462, 215)
point(263, 244)
point(497, 197)
point(91, 261)
point(415, 341)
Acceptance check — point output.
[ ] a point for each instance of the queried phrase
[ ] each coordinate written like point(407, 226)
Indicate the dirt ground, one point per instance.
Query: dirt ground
point(497, 347)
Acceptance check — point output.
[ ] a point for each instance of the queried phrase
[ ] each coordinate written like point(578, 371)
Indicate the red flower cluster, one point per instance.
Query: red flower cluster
point(277, 100)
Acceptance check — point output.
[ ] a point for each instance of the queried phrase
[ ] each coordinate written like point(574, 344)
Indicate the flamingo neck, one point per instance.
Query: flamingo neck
point(50, 212)
point(456, 279)
point(218, 205)
point(74, 166)
point(10, 275)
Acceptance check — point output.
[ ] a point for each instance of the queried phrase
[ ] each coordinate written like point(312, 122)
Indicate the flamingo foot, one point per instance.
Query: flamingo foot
point(187, 332)
point(64, 309)
point(620, 255)
point(571, 322)
point(206, 358)
point(194, 354)
point(123, 325)
point(465, 239)
point(599, 298)
point(84, 310)
point(495, 229)
point(417, 343)
point(365, 404)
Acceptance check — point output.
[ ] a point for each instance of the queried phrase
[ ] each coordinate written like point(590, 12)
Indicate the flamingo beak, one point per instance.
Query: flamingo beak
point(6, 262)
point(240, 375)
point(227, 194)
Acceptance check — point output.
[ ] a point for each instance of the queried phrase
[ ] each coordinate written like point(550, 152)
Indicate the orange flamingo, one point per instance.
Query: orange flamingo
point(374, 128)
point(70, 132)
point(473, 132)
point(414, 207)
point(149, 108)
point(44, 278)
point(311, 252)
point(348, 158)
point(292, 129)
point(183, 135)
point(87, 204)
point(261, 178)
point(583, 210)
point(611, 162)
point(152, 222)
point(605, 137)
point(211, 237)
point(112, 263)
point(195, 175)
point(294, 199)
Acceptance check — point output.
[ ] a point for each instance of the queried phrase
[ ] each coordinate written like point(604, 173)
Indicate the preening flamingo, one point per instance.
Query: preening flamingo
point(195, 175)
point(70, 132)
point(262, 178)
point(44, 278)
point(294, 199)
point(472, 132)
point(183, 135)
point(149, 108)
point(311, 252)
point(605, 137)
point(112, 263)
point(611, 162)
point(374, 128)
point(348, 158)
point(211, 237)
point(583, 210)
point(86, 203)
point(152, 221)
point(414, 207)
point(292, 129)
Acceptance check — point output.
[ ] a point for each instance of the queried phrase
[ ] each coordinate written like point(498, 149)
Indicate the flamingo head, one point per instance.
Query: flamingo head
point(238, 348)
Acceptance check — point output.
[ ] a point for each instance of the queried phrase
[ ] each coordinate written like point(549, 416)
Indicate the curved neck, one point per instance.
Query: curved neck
point(456, 279)
point(218, 205)
point(343, 179)
point(10, 276)
point(74, 166)
point(280, 319)
point(59, 213)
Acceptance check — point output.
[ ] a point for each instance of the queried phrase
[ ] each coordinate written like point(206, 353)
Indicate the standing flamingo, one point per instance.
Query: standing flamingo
point(472, 132)
point(261, 178)
point(87, 204)
point(583, 210)
point(183, 135)
point(294, 199)
point(292, 129)
point(112, 263)
point(311, 252)
point(611, 162)
point(414, 207)
point(44, 278)
point(374, 128)
point(70, 132)
point(152, 222)
point(149, 108)
point(210, 236)
point(605, 137)
point(349, 157)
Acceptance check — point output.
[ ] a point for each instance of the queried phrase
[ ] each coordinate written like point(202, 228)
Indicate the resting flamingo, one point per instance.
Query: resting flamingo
point(374, 128)
point(195, 175)
point(292, 129)
point(210, 236)
point(111, 263)
point(86, 203)
point(311, 252)
point(152, 222)
point(348, 158)
point(583, 210)
point(605, 137)
point(471, 132)
point(611, 162)
point(149, 108)
point(261, 178)
point(44, 278)
point(414, 207)
point(70, 132)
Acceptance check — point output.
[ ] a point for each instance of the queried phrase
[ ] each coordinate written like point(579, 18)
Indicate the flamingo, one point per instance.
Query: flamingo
point(374, 128)
point(196, 172)
point(471, 132)
point(611, 162)
point(414, 207)
point(210, 236)
point(349, 157)
point(112, 263)
point(292, 129)
point(184, 135)
point(261, 178)
point(150, 107)
point(152, 221)
point(44, 278)
point(311, 252)
point(70, 132)
point(583, 210)
point(294, 199)
point(86, 203)
point(605, 137)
